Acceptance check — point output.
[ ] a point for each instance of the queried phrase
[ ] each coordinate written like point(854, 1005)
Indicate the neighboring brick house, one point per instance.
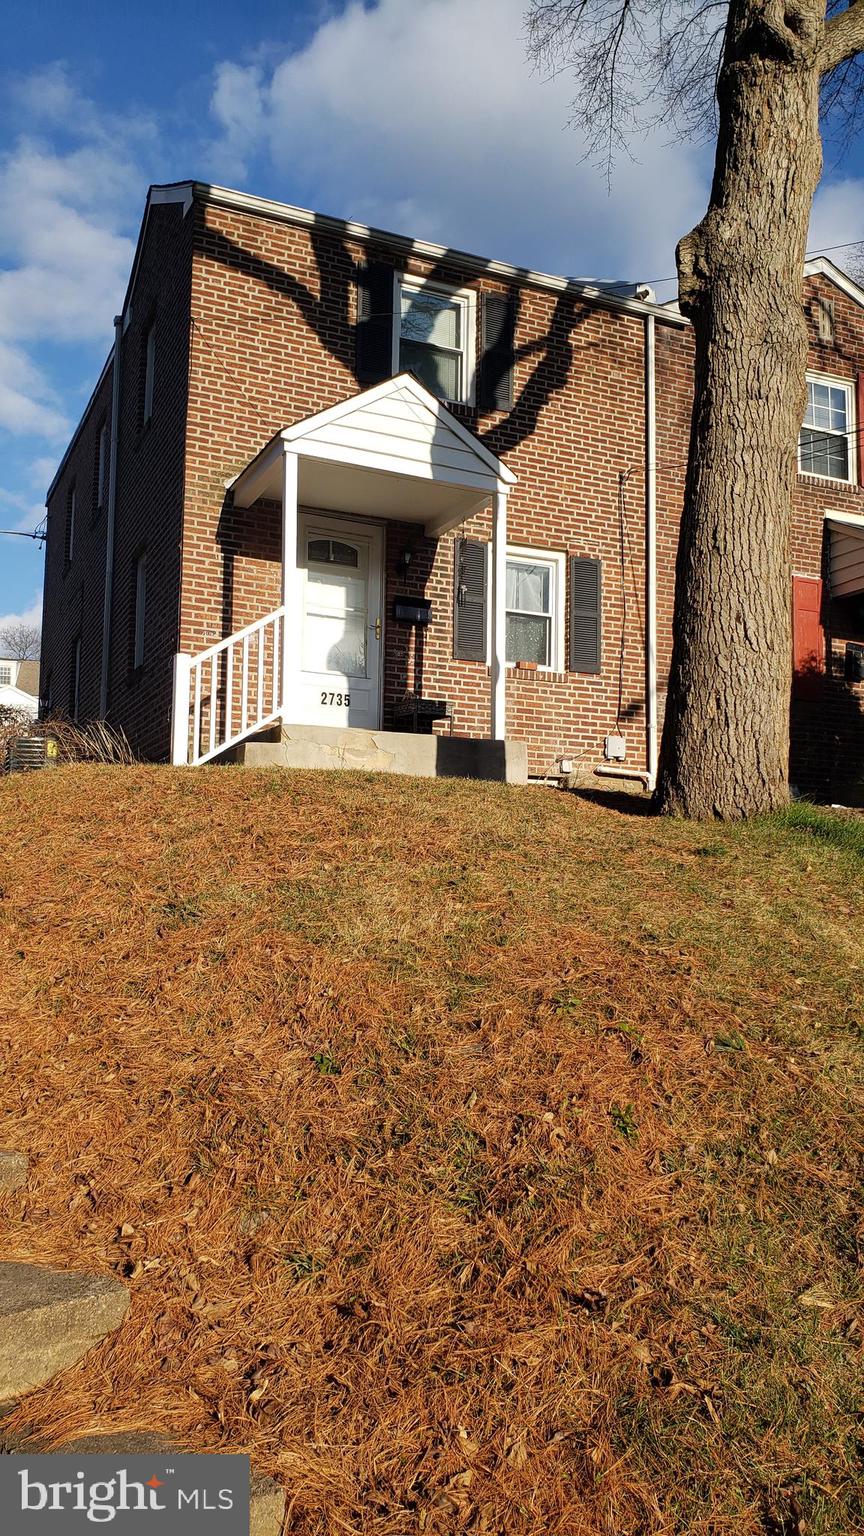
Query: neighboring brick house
point(475, 471)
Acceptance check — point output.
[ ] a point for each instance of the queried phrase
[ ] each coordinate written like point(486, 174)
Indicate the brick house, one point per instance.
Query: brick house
point(340, 495)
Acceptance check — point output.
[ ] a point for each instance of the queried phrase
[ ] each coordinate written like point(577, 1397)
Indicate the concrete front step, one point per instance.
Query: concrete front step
point(428, 757)
point(13, 1170)
point(266, 1498)
point(49, 1318)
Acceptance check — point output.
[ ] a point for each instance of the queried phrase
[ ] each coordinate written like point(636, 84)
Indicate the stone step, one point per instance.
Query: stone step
point(324, 746)
point(13, 1170)
point(266, 1498)
point(49, 1318)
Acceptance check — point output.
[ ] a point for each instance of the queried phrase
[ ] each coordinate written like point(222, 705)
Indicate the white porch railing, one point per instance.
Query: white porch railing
point(229, 691)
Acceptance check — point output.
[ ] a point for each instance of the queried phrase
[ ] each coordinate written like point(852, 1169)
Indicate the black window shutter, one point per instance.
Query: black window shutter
point(586, 591)
point(469, 621)
point(497, 331)
point(374, 357)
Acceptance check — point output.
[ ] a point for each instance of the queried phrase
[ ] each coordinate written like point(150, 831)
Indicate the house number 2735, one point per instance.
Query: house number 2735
point(335, 698)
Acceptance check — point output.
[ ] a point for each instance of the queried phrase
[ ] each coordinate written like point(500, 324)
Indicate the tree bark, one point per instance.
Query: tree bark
point(725, 749)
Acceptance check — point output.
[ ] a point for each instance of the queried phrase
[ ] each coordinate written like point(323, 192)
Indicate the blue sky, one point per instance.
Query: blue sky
point(416, 115)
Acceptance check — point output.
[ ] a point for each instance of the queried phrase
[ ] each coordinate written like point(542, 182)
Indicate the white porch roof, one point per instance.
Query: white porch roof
point(846, 557)
point(393, 451)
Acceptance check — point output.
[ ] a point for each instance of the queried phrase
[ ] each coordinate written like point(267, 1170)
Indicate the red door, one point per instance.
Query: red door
point(808, 636)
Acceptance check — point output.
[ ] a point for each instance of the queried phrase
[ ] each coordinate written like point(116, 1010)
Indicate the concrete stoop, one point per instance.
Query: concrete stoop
point(428, 757)
point(49, 1319)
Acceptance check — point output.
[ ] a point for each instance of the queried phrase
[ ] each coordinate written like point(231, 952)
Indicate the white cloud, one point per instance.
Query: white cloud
point(425, 115)
point(838, 220)
point(67, 259)
point(28, 404)
point(22, 512)
point(31, 615)
point(64, 252)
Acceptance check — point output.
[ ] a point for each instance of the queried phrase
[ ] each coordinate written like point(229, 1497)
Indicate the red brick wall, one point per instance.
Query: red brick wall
point(148, 516)
point(827, 724)
point(255, 326)
point(74, 591)
point(273, 311)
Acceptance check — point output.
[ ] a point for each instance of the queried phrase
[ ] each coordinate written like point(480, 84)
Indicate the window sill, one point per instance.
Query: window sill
point(822, 480)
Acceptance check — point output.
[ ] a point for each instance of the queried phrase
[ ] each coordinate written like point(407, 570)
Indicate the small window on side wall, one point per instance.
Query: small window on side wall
point(69, 530)
point(140, 602)
point(101, 467)
point(149, 374)
point(827, 438)
point(75, 681)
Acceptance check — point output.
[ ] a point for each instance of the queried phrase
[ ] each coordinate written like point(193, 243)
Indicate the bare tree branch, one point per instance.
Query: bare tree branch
point(20, 642)
point(844, 36)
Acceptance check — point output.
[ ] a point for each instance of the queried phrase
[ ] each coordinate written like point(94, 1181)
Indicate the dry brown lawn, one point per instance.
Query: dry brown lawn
point(479, 1159)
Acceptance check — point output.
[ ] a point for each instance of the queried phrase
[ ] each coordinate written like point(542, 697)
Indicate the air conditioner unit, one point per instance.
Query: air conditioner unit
point(27, 753)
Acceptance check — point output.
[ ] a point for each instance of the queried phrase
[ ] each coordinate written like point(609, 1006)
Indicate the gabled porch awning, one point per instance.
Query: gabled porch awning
point(394, 451)
point(846, 553)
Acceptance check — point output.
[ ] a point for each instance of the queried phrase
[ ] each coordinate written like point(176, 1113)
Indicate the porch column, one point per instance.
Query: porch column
point(499, 617)
point(292, 623)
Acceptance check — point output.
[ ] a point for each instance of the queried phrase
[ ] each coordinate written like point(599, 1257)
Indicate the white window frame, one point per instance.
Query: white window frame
point(557, 561)
point(467, 298)
point(851, 434)
point(149, 371)
point(6, 680)
point(140, 609)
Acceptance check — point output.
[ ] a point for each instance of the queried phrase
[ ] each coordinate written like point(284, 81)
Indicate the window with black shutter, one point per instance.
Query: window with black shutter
point(374, 330)
point(497, 333)
point(469, 622)
point(586, 590)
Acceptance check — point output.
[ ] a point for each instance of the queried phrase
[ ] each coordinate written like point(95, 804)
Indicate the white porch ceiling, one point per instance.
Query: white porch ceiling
point(846, 558)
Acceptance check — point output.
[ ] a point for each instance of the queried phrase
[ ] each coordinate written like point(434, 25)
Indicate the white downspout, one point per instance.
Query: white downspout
point(650, 555)
point(110, 518)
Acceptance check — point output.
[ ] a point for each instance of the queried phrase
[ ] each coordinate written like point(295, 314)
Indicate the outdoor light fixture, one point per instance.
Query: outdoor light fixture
point(407, 557)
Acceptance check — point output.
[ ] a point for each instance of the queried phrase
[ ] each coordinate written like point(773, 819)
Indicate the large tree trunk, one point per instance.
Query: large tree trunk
point(725, 748)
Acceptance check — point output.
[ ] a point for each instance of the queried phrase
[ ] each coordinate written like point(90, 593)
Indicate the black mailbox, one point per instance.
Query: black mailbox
point(412, 610)
point(854, 663)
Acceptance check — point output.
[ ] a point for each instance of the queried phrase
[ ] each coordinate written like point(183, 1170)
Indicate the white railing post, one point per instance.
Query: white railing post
point(180, 710)
point(498, 701)
point(290, 585)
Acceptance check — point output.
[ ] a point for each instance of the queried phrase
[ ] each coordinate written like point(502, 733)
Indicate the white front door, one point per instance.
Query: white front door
point(341, 574)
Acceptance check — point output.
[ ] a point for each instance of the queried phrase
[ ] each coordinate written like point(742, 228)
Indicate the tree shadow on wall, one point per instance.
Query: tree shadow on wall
point(328, 316)
point(826, 730)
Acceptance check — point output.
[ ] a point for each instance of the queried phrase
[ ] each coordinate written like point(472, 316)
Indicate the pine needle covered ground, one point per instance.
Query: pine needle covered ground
point(479, 1159)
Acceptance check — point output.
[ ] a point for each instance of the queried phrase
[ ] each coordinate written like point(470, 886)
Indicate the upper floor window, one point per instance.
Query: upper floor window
point(434, 337)
point(149, 372)
point(5, 676)
point(826, 441)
